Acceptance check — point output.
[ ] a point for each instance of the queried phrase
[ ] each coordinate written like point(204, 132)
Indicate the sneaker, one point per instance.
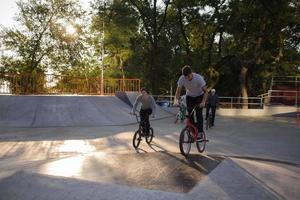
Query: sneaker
point(199, 137)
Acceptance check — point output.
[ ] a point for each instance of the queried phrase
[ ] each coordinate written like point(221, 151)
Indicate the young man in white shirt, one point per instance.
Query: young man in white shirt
point(196, 93)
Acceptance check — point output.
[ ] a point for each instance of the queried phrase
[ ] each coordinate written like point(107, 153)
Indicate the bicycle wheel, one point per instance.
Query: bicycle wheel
point(185, 141)
point(201, 143)
point(150, 136)
point(136, 139)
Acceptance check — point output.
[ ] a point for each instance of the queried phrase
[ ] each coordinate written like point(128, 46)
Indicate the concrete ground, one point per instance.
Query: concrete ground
point(246, 158)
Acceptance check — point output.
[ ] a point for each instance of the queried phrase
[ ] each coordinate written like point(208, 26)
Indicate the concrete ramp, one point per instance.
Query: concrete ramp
point(56, 111)
point(29, 186)
point(230, 181)
point(123, 97)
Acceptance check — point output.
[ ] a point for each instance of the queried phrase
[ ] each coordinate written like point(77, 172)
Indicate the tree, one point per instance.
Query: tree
point(153, 20)
point(120, 27)
point(39, 35)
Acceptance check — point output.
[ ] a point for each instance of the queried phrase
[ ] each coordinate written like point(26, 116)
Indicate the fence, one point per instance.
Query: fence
point(225, 102)
point(291, 81)
point(62, 84)
point(241, 102)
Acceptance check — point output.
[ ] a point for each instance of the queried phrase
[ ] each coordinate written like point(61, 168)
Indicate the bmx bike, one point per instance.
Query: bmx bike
point(141, 132)
point(189, 135)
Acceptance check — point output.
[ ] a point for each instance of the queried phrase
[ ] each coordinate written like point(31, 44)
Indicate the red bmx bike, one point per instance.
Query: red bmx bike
point(189, 135)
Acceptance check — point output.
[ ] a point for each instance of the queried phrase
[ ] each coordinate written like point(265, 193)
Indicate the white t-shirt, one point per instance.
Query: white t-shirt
point(194, 86)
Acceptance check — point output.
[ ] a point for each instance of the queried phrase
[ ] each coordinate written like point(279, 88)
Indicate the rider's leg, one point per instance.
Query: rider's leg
point(199, 114)
point(191, 103)
point(199, 119)
point(143, 118)
point(147, 122)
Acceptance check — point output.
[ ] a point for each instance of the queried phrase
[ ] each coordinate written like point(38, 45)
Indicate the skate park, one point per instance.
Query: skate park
point(83, 150)
point(72, 70)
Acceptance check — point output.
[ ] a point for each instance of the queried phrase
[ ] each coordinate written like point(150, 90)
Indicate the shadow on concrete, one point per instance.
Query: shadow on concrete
point(289, 114)
point(157, 170)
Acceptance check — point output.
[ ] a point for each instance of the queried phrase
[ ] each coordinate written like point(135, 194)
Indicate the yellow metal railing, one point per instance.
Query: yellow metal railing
point(30, 84)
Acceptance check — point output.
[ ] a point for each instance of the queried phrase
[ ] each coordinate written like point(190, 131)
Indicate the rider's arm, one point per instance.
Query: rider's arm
point(177, 94)
point(136, 102)
point(204, 88)
point(153, 106)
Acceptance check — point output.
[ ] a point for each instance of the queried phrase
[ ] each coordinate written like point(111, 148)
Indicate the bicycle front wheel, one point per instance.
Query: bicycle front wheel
point(137, 139)
point(185, 141)
point(150, 136)
point(201, 143)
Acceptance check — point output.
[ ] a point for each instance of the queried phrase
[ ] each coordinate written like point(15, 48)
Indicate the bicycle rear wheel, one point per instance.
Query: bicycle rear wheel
point(201, 143)
point(137, 139)
point(150, 136)
point(185, 141)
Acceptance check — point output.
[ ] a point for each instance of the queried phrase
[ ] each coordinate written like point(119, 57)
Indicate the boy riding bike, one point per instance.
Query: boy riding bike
point(148, 107)
point(196, 93)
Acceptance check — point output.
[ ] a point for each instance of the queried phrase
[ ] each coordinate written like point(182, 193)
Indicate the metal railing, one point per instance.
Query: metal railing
point(291, 82)
point(241, 102)
point(62, 84)
point(224, 102)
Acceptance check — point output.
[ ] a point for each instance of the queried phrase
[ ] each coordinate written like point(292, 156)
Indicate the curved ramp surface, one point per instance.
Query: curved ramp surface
point(52, 111)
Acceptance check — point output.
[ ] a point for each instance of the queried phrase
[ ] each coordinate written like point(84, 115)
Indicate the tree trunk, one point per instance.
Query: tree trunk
point(210, 48)
point(220, 44)
point(243, 85)
point(187, 45)
point(123, 74)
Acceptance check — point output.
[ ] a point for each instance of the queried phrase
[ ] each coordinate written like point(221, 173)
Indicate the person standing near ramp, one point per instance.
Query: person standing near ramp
point(212, 103)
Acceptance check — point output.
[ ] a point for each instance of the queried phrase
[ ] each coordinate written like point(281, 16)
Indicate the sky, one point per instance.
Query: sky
point(8, 9)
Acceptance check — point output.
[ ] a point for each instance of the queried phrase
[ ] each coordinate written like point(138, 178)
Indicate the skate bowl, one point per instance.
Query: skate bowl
point(57, 111)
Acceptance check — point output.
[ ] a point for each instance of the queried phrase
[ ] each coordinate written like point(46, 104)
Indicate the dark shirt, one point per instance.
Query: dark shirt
point(213, 100)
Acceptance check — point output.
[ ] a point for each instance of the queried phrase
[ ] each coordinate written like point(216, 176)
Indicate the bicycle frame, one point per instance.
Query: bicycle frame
point(192, 127)
point(138, 119)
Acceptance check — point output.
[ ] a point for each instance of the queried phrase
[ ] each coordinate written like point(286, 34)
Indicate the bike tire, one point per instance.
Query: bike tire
point(201, 144)
point(149, 137)
point(136, 139)
point(185, 141)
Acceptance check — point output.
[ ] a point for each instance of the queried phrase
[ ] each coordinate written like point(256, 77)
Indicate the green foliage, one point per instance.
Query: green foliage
point(152, 41)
